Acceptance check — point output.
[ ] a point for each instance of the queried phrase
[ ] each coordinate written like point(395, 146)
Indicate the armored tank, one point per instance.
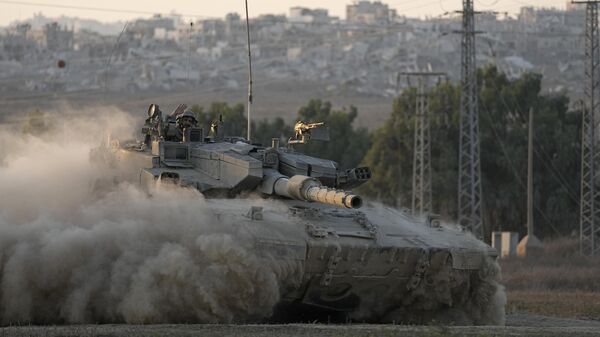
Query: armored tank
point(359, 260)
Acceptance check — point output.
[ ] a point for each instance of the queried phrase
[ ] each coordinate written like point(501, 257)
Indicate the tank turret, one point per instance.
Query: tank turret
point(218, 165)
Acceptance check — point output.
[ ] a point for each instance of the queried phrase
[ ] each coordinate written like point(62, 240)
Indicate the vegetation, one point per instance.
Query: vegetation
point(558, 282)
point(504, 106)
point(348, 145)
point(559, 269)
point(580, 305)
point(234, 117)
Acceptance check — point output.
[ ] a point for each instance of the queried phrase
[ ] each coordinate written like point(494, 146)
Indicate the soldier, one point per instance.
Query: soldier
point(177, 122)
point(186, 120)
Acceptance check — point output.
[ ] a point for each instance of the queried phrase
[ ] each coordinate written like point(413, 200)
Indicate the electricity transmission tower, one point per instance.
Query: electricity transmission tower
point(469, 174)
point(421, 187)
point(589, 226)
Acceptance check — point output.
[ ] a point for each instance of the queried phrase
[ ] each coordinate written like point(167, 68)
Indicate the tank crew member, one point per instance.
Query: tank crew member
point(177, 122)
point(186, 120)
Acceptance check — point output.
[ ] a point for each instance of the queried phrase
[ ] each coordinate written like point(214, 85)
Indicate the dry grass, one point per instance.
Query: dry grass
point(581, 305)
point(559, 268)
point(558, 283)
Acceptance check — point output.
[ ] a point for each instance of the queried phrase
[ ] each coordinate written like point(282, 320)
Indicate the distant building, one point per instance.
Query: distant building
point(57, 38)
point(235, 29)
point(574, 6)
point(367, 12)
point(544, 17)
point(16, 45)
point(147, 27)
point(309, 16)
point(210, 31)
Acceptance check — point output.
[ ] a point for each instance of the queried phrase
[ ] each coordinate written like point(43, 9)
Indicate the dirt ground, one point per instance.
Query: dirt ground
point(517, 325)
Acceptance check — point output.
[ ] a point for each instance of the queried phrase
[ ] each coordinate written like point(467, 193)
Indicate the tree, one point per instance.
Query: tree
point(265, 130)
point(504, 105)
point(347, 144)
point(235, 122)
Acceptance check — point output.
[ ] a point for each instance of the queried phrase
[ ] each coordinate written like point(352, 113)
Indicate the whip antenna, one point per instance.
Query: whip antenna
point(107, 65)
point(189, 65)
point(249, 74)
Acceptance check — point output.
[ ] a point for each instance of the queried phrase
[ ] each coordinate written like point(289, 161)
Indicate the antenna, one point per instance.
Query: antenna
point(189, 65)
point(249, 75)
point(107, 66)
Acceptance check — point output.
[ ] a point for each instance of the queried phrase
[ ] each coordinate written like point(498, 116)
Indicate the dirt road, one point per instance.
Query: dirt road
point(517, 325)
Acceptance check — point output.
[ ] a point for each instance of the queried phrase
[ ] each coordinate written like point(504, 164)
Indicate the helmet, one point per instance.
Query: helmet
point(186, 119)
point(187, 114)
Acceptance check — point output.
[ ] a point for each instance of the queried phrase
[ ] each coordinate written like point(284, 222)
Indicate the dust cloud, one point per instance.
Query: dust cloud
point(68, 256)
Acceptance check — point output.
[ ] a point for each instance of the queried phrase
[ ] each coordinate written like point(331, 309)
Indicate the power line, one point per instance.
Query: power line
point(488, 5)
point(590, 203)
point(421, 189)
point(511, 163)
point(469, 163)
point(428, 4)
point(543, 156)
point(96, 9)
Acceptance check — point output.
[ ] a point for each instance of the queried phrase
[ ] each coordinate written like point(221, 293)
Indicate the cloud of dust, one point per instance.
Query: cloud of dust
point(67, 256)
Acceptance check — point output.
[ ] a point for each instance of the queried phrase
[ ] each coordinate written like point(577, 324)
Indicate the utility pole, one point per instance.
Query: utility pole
point(589, 226)
point(421, 187)
point(530, 245)
point(469, 174)
point(250, 93)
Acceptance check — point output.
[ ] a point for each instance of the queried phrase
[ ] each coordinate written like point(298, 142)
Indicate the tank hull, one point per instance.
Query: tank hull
point(374, 265)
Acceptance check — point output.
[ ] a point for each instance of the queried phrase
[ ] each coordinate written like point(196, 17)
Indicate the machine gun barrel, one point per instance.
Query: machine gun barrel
point(305, 188)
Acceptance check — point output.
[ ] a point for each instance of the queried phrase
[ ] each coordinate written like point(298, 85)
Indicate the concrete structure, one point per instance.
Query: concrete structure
point(367, 12)
point(304, 15)
point(505, 243)
point(57, 38)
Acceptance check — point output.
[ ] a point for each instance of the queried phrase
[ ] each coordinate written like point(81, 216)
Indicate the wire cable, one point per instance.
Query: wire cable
point(546, 160)
point(511, 164)
point(95, 9)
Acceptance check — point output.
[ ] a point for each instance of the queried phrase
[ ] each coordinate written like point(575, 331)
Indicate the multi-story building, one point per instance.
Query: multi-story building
point(367, 12)
point(57, 38)
point(309, 16)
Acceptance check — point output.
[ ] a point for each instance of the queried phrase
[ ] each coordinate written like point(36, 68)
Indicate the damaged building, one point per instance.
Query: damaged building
point(360, 53)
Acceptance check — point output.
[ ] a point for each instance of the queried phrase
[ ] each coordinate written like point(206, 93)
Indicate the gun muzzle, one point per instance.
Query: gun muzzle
point(310, 189)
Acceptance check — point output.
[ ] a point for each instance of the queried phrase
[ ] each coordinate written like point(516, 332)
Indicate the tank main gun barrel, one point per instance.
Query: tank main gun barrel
point(305, 188)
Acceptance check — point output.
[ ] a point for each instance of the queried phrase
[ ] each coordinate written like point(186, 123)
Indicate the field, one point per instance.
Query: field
point(559, 283)
point(535, 326)
point(581, 305)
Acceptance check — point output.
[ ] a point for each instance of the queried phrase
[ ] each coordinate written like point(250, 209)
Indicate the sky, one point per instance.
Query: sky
point(20, 10)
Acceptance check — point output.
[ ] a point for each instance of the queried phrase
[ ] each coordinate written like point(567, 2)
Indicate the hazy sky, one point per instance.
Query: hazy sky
point(18, 10)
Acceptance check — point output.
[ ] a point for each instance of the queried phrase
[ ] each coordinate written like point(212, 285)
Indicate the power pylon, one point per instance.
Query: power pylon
point(469, 175)
point(421, 187)
point(589, 226)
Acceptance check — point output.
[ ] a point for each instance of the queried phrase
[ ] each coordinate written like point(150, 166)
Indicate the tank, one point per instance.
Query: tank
point(359, 260)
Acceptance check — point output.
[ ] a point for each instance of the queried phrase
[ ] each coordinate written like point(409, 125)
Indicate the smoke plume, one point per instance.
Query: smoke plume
point(68, 256)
